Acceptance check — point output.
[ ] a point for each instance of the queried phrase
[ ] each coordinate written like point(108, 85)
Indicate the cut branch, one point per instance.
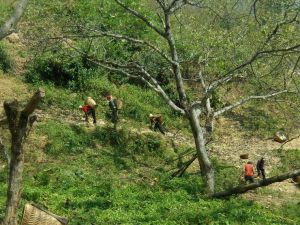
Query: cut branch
point(7, 27)
point(289, 140)
point(32, 104)
point(245, 188)
point(184, 167)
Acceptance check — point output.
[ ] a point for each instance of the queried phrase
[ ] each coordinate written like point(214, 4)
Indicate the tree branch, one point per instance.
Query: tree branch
point(253, 7)
point(289, 140)
point(184, 167)
point(121, 37)
point(162, 4)
point(229, 75)
point(162, 92)
point(141, 17)
point(243, 101)
point(176, 5)
point(175, 67)
point(245, 188)
point(32, 104)
point(6, 28)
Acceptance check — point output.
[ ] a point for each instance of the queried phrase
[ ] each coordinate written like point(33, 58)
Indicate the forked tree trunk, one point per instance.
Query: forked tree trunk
point(15, 182)
point(204, 161)
point(19, 123)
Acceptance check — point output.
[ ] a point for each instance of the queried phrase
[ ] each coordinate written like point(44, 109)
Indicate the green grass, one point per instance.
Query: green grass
point(101, 176)
point(289, 160)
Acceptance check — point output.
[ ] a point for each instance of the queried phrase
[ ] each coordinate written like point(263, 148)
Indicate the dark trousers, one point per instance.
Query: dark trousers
point(249, 178)
point(262, 172)
point(92, 113)
point(114, 116)
point(158, 126)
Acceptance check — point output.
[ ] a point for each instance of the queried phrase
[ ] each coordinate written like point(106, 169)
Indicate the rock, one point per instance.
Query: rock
point(221, 120)
point(280, 137)
point(296, 179)
point(68, 43)
point(244, 156)
point(13, 38)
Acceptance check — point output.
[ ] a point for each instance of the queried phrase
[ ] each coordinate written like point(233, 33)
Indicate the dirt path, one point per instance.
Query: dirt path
point(11, 88)
point(231, 142)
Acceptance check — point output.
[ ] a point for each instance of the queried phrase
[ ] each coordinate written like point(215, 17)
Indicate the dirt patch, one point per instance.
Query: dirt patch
point(231, 142)
point(277, 194)
point(10, 89)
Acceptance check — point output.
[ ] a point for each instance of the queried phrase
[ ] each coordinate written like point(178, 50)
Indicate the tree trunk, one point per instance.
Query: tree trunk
point(19, 126)
point(6, 28)
point(245, 188)
point(204, 161)
point(15, 182)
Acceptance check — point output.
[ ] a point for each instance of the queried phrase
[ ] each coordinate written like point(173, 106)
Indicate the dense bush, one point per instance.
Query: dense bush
point(6, 62)
point(61, 70)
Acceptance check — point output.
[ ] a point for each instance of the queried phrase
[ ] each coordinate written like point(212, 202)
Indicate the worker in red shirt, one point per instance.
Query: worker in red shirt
point(88, 110)
point(249, 172)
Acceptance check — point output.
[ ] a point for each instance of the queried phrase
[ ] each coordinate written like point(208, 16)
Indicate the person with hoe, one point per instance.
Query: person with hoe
point(260, 167)
point(114, 109)
point(89, 109)
point(156, 123)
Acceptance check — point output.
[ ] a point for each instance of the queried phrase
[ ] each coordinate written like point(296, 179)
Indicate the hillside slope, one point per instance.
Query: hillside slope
point(99, 175)
point(63, 158)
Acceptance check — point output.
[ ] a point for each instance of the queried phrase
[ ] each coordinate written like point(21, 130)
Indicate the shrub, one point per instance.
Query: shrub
point(61, 70)
point(6, 62)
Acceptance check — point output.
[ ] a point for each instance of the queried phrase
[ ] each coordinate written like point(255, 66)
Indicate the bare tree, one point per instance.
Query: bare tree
point(200, 109)
point(20, 123)
point(7, 27)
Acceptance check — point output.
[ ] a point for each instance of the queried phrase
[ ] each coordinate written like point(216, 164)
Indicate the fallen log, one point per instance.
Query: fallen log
point(244, 188)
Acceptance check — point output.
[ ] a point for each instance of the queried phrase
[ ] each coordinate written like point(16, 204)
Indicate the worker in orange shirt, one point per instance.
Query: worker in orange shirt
point(249, 172)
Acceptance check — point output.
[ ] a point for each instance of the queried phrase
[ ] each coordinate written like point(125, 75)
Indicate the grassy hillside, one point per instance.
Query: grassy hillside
point(97, 175)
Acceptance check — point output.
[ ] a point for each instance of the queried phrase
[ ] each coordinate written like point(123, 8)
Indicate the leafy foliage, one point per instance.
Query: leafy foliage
point(61, 71)
point(6, 61)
